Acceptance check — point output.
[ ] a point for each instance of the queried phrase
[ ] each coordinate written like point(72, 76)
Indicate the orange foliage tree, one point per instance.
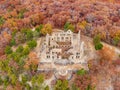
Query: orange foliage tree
point(107, 53)
point(37, 19)
point(7, 36)
point(11, 23)
point(32, 62)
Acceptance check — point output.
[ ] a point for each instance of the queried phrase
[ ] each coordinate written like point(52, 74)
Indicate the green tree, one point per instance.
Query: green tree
point(13, 79)
point(36, 88)
point(97, 39)
point(74, 87)
point(40, 79)
point(21, 13)
point(2, 20)
point(1, 81)
point(69, 26)
point(5, 81)
point(81, 72)
point(37, 81)
point(29, 35)
point(12, 42)
point(21, 63)
point(66, 25)
point(38, 28)
point(89, 87)
point(19, 49)
point(27, 32)
point(33, 67)
point(26, 50)
point(24, 79)
point(61, 85)
point(33, 80)
point(27, 86)
point(24, 30)
point(97, 42)
point(14, 33)
point(13, 55)
point(4, 65)
point(20, 37)
point(32, 44)
point(37, 31)
point(98, 46)
point(36, 34)
point(116, 40)
point(8, 50)
point(47, 88)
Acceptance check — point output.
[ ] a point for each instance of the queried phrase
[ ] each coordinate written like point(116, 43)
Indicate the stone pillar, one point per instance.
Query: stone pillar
point(81, 50)
point(72, 40)
point(79, 42)
point(47, 39)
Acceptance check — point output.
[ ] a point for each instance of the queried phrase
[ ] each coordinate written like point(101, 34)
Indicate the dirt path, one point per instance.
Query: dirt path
point(89, 41)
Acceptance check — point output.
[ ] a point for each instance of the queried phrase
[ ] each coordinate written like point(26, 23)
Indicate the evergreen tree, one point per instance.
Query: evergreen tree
point(38, 28)
point(29, 35)
point(8, 50)
point(62, 85)
point(69, 26)
point(97, 42)
point(2, 20)
point(81, 72)
point(12, 42)
point(32, 44)
point(26, 50)
point(19, 49)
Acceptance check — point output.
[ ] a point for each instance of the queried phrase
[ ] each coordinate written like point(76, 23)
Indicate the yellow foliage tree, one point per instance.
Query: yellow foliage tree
point(83, 24)
point(111, 1)
point(46, 29)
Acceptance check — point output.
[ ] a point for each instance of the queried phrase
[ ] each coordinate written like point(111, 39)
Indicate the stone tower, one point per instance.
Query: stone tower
point(78, 37)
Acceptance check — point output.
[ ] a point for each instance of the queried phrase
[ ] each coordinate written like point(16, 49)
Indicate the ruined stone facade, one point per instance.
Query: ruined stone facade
point(62, 52)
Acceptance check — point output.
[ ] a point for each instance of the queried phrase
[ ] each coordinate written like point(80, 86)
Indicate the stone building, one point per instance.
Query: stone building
point(61, 44)
point(62, 52)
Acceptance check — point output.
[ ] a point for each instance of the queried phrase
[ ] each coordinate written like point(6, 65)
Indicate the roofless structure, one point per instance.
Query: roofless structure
point(62, 52)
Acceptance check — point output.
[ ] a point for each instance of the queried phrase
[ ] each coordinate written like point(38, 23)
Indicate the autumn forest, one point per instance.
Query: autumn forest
point(24, 22)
